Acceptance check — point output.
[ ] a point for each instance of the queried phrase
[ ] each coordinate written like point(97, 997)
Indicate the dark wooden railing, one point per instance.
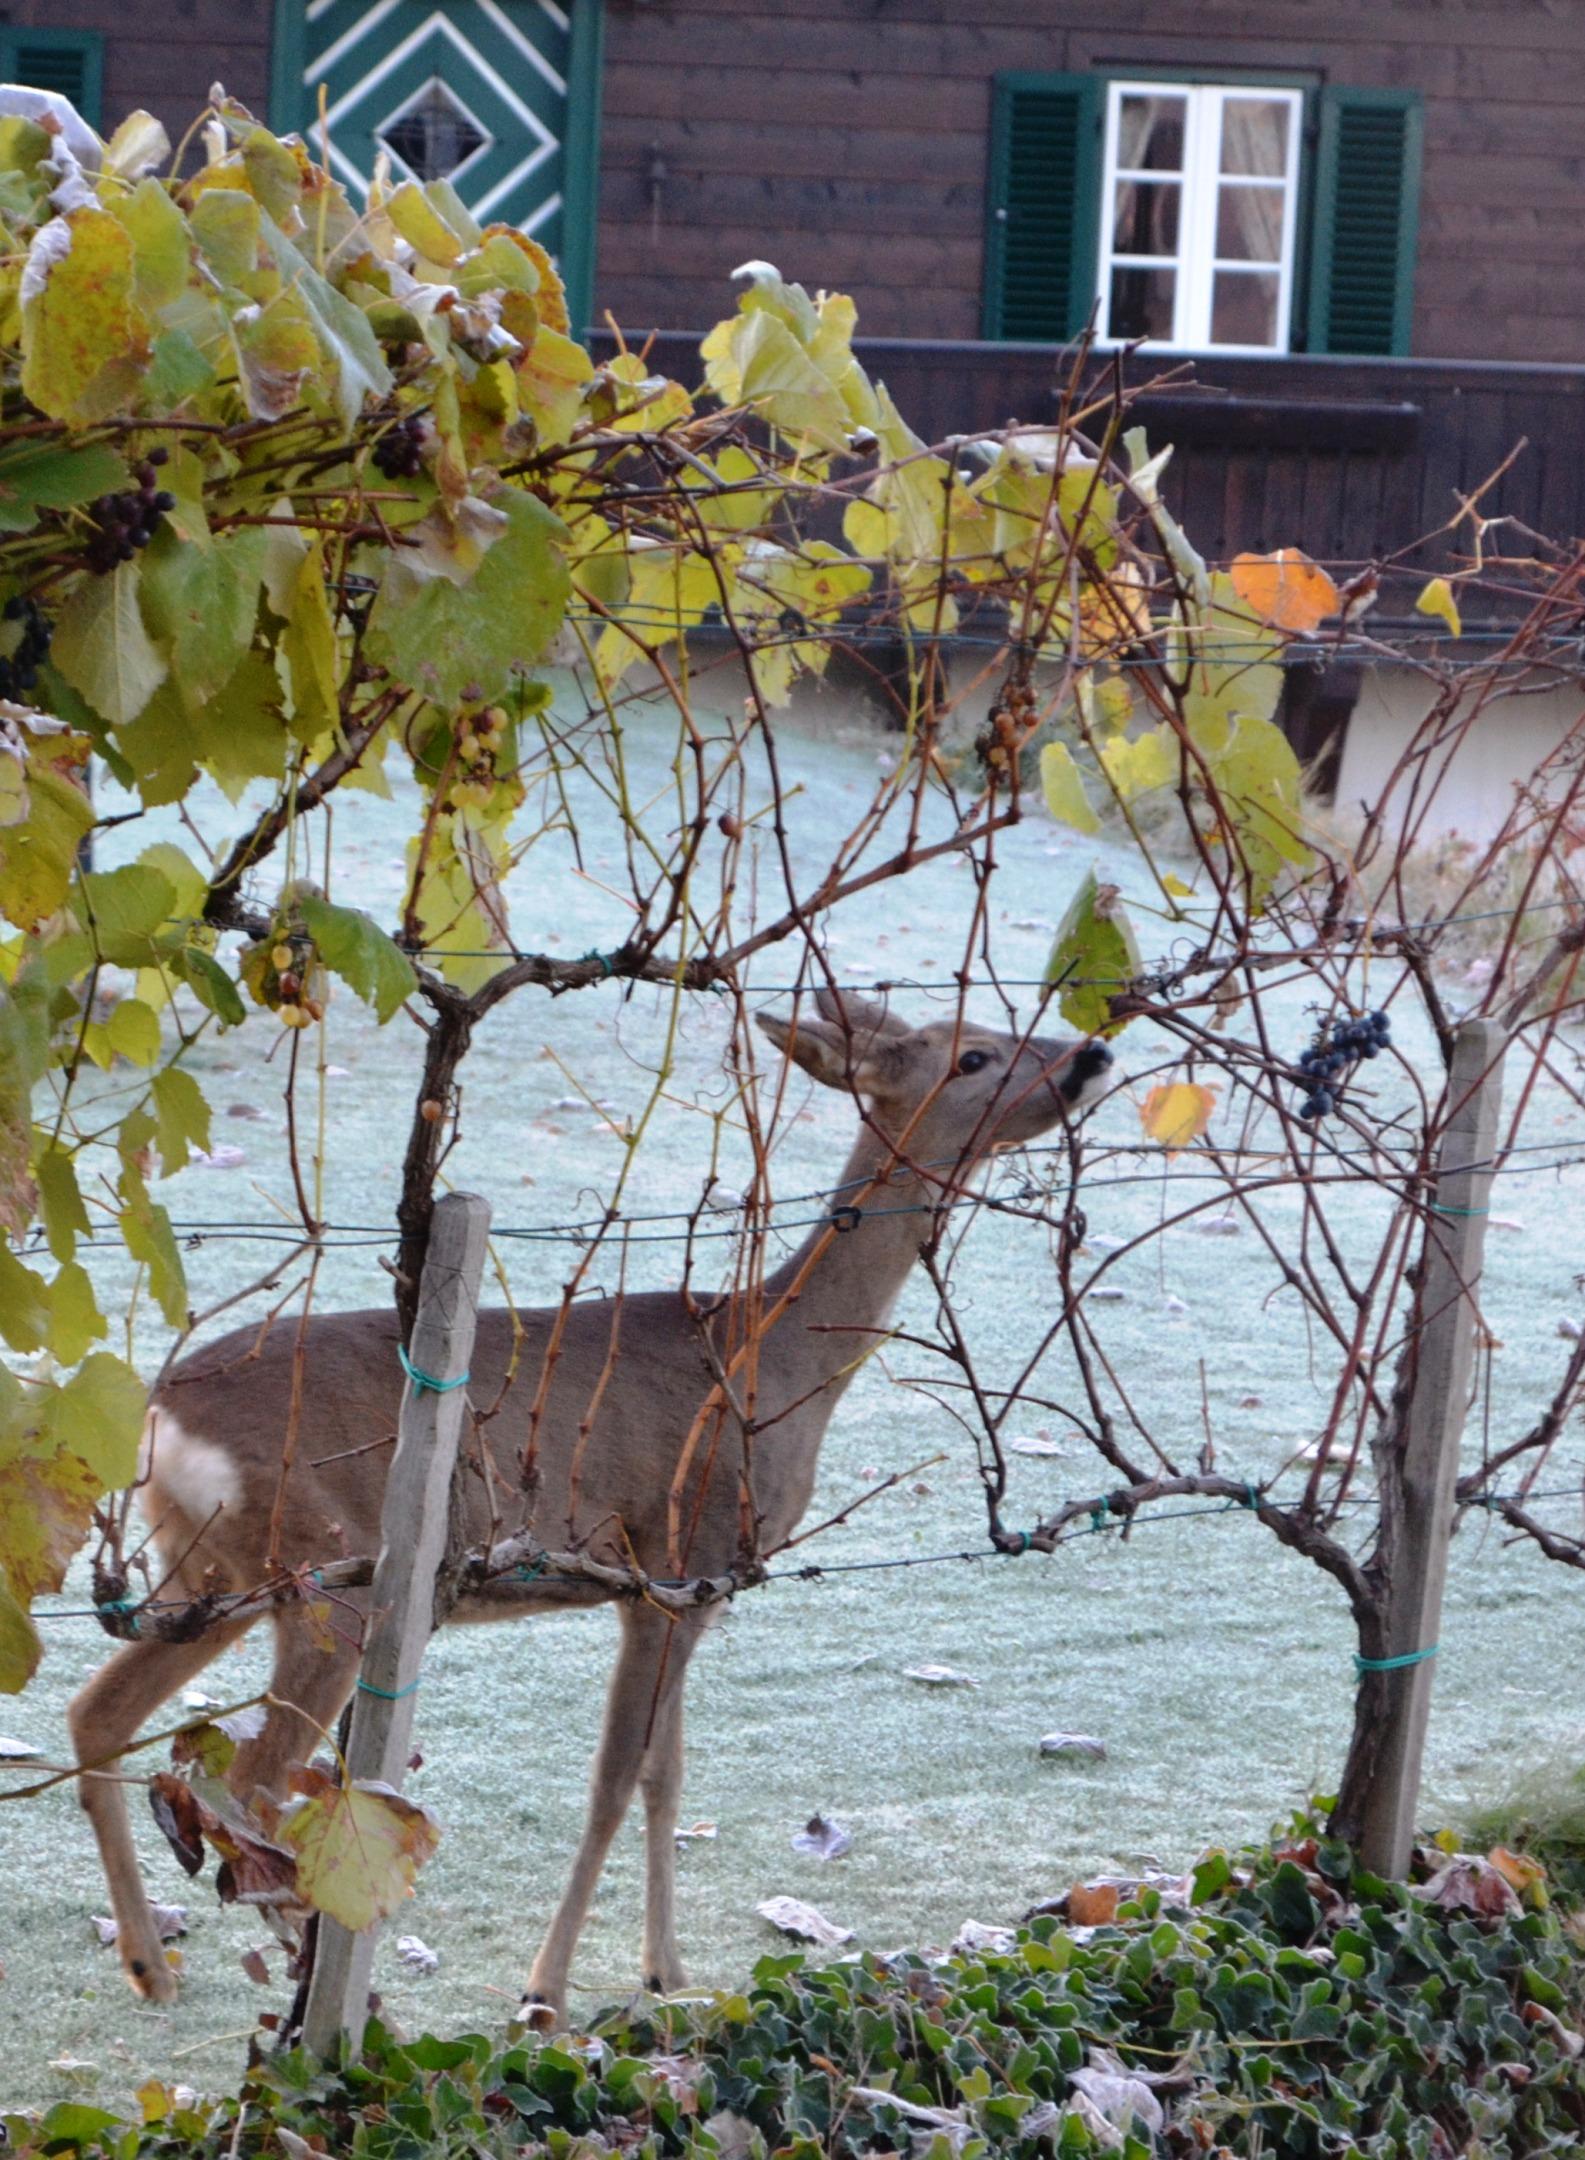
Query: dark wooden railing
point(1349, 459)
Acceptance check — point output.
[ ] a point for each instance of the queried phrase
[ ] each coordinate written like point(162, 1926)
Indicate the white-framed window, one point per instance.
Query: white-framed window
point(1198, 212)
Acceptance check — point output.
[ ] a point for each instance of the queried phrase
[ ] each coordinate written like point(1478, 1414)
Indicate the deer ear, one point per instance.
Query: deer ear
point(864, 1016)
point(822, 1051)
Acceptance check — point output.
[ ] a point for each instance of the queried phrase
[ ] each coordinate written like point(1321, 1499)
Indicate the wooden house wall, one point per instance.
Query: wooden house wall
point(165, 54)
point(846, 141)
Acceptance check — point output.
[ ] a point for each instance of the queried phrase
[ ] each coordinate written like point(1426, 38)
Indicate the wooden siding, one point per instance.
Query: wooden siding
point(1350, 459)
point(846, 141)
point(164, 54)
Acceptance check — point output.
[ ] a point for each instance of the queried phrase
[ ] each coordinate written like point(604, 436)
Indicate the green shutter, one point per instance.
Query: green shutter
point(1367, 199)
point(1042, 206)
point(65, 60)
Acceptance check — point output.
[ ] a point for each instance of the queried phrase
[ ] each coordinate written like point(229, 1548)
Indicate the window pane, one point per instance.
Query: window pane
point(1255, 136)
point(1249, 223)
point(1142, 302)
point(1244, 307)
point(1150, 134)
point(1146, 222)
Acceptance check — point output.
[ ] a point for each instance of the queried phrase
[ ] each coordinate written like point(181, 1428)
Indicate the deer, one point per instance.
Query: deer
point(935, 1102)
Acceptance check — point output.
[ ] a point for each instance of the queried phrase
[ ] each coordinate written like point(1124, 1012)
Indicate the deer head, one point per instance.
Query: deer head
point(949, 1091)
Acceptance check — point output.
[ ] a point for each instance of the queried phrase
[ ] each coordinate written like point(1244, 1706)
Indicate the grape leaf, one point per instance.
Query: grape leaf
point(358, 1849)
point(134, 1031)
point(146, 1229)
point(24, 1304)
point(103, 648)
point(203, 602)
point(76, 1322)
point(1177, 1112)
point(1063, 787)
point(37, 859)
point(55, 476)
point(97, 1415)
point(353, 946)
point(1095, 956)
point(65, 1217)
point(209, 983)
point(46, 1505)
point(1436, 598)
point(82, 333)
point(19, 1644)
point(121, 910)
point(182, 1117)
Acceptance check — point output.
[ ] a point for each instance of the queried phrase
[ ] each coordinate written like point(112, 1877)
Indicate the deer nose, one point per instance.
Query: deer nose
point(1076, 1067)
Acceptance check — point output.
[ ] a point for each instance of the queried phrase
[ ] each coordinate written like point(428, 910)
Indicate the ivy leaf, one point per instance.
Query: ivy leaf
point(55, 476)
point(182, 1117)
point(103, 647)
point(1095, 956)
point(38, 859)
point(353, 946)
point(82, 333)
point(457, 643)
point(1063, 786)
point(97, 1415)
point(358, 1849)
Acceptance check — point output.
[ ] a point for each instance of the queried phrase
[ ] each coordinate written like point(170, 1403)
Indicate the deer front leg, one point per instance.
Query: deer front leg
point(104, 1719)
point(644, 1704)
point(660, 1780)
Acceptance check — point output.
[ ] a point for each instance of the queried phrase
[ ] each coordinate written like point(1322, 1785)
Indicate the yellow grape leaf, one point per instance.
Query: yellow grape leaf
point(19, 1644)
point(1134, 768)
point(1063, 785)
point(358, 1848)
point(1176, 1113)
point(1286, 588)
point(134, 1032)
point(83, 337)
point(46, 1506)
point(1177, 888)
point(1094, 956)
point(1437, 599)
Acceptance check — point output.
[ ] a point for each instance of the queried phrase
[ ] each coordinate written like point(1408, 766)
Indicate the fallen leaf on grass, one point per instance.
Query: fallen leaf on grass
point(694, 1830)
point(416, 1954)
point(1093, 1904)
point(939, 1676)
point(169, 1922)
point(975, 1936)
point(1073, 1743)
point(17, 1750)
point(1040, 1443)
point(795, 1918)
point(1468, 1883)
point(821, 1839)
point(254, 1966)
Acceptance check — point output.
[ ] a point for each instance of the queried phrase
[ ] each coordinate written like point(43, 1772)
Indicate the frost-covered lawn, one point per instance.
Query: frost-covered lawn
point(1215, 1668)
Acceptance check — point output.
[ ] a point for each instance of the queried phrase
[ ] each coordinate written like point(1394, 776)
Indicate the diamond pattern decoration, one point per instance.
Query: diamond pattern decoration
point(474, 91)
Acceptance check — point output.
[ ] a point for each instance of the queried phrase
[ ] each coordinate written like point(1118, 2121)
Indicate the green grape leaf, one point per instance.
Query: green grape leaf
point(1095, 955)
point(134, 1032)
point(1062, 784)
point(1259, 789)
point(146, 1230)
point(243, 736)
point(103, 648)
point(60, 1201)
point(227, 224)
point(358, 1849)
point(24, 1304)
point(37, 859)
point(76, 1323)
point(19, 1643)
point(209, 983)
point(160, 748)
point(55, 476)
point(162, 248)
point(277, 352)
point(309, 644)
point(121, 910)
point(182, 1117)
point(353, 946)
point(203, 602)
point(459, 643)
point(83, 335)
point(97, 1415)
point(1149, 761)
point(349, 345)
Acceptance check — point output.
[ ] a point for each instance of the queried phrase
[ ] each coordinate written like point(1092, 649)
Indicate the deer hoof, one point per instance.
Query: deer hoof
point(539, 2015)
point(152, 1978)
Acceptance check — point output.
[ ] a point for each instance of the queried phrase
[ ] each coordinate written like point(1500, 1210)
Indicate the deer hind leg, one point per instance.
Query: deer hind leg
point(104, 1718)
point(309, 1688)
point(646, 1688)
point(660, 1781)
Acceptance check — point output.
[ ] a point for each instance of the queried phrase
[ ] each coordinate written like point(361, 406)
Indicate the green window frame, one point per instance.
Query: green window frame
point(1358, 205)
point(70, 61)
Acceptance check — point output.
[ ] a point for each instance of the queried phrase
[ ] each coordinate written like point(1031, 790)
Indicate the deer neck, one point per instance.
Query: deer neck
point(839, 1287)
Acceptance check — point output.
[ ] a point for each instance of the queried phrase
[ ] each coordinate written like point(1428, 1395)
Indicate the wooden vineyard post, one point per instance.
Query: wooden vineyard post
point(1447, 1305)
point(402, 1602)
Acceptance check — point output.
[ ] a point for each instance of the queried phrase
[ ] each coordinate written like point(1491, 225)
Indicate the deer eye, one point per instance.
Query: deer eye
point(972, 1061)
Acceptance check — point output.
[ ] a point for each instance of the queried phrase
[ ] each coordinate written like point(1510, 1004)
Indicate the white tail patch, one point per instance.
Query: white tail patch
point(183, 1471)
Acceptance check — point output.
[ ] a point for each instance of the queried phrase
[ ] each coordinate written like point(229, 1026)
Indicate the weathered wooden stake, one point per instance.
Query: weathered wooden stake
point(1433, 1429)
point(402, 1601)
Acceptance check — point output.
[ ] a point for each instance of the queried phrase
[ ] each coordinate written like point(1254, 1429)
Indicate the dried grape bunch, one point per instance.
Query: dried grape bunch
point(126, 522)
point(1334, 1054)
point(20, 671)
point(399, 453)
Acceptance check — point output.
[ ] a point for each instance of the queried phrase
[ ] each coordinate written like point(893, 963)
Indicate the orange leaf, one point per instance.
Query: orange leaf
point(1286, 588)
point(1177, 1112)
point(1092, 1904)
point(1518, 1870)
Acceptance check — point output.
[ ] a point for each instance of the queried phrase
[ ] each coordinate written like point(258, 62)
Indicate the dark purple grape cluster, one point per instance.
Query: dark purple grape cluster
point(20, 671)
point(399, 453)
point(126, 522)
point(1333, 1055)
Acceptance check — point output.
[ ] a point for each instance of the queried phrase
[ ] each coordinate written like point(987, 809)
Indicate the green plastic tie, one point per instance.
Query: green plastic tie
point(1025, 1538)
point(603, 960)
point(523, 1573)
point(1099, 1513)
point(123, 1609)
point(1440, 1207)
point(1363, 1665)
point(426, 1382)
point(387, 1694)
